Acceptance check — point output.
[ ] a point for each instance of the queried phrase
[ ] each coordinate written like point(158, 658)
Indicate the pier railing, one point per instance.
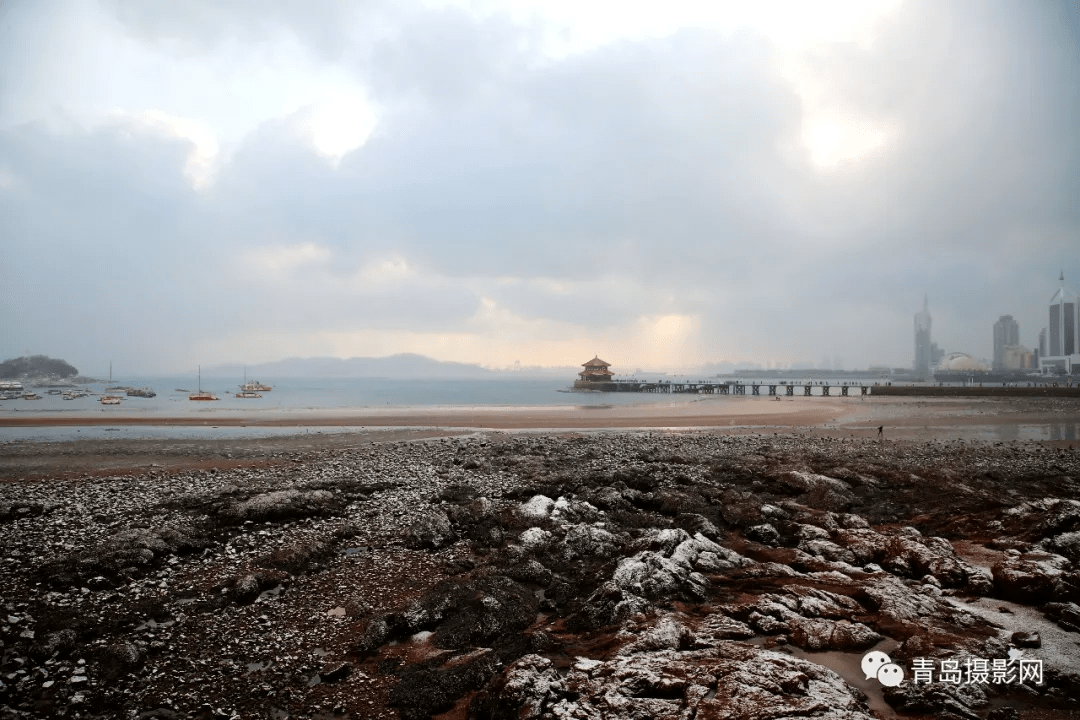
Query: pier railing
point(824, 389)
point(705, 387)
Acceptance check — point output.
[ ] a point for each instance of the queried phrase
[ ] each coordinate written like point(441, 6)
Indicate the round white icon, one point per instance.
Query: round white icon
point(890, 675)
point(873, 661)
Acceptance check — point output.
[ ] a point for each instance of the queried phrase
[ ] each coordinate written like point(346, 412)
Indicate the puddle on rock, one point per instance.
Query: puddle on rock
point(848, 665)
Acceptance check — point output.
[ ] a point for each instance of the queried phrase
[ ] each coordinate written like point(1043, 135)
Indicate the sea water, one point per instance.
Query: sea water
point(290, 398)
point(326, 394)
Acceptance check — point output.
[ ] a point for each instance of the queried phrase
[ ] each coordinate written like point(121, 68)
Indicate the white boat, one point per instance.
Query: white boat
point(254, 386)
point(111, 400)
point(248, 394)
point(31, 396)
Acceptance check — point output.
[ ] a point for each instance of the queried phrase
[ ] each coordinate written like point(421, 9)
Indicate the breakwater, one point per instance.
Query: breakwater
point(1044, 390)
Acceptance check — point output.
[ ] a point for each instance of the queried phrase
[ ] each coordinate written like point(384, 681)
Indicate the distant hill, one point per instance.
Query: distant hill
point(36, 366)
point(405, 365)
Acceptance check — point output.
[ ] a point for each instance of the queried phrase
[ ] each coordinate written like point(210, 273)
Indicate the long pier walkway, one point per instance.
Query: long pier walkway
point(823, 389)
point(725, 388)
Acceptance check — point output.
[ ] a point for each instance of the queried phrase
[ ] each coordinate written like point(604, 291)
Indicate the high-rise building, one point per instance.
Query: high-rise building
point(1062, 334)
point(1042, 343)
point(1062, 321)
point(1006, 333)
point(923, 361)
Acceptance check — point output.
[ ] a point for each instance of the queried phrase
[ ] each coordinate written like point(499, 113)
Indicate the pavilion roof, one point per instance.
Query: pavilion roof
point(596, 362)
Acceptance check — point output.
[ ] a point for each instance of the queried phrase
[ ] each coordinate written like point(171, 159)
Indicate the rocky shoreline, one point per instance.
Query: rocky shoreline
point(635, 575)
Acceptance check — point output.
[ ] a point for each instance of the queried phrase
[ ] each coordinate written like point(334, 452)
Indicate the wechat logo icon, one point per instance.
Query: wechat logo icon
point(876, 664)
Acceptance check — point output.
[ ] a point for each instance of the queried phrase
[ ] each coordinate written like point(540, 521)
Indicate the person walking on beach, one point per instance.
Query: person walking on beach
point(881, 433)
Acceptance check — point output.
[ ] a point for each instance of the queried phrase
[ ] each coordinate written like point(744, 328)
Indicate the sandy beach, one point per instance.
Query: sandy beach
point(853, 413)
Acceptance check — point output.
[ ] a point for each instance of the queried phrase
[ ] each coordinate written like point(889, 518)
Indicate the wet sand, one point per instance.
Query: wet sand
point(907, 418)
point(703, 412)
point(713, 411)
point(1052, 422)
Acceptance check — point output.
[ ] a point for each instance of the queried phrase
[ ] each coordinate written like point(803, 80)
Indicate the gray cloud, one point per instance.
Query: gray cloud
point(643, 178)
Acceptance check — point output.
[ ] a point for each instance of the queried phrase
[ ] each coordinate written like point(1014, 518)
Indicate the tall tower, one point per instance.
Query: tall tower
point(1006, 332)
point(1063, 328)
point(922, 341)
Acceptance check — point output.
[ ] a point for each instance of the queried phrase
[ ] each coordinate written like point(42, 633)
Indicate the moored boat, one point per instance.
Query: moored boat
point(110, 400)
point(248, 394)
point(253, 386)
point(200, 395)
point(141, 392)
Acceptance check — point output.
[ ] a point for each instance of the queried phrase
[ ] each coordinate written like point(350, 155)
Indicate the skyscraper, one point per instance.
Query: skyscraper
point(922, 341)
point(1063, 325)
point(1062, 334)
point(1006, 332)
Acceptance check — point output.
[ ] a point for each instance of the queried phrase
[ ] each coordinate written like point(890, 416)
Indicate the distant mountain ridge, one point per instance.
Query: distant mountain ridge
point(403, 365)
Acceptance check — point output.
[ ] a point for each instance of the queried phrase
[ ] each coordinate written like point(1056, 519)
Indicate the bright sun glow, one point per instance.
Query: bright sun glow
point(340, 124)
point(834, 139)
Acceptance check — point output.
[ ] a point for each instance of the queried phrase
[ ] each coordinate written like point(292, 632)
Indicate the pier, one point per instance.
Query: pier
point(707, 387)
point(596, 377)
point(822, 389)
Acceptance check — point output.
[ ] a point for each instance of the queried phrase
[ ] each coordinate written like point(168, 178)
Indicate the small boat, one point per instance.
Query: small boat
point(202, 395)
point(111, 399)
point(31, 396)
point(53, 392)
point(11, 385)
point(141, 392)
point(248, 394)
point(254, 386)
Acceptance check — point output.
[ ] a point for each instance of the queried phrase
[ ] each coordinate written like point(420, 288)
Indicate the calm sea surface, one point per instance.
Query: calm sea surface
point(326, 394)
point(299, 396)
point(292, 396)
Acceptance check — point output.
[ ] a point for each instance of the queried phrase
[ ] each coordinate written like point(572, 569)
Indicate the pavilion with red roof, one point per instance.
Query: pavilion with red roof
point(596, 371)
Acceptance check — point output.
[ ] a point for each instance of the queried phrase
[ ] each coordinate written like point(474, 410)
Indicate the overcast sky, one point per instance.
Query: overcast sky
point(662, 184)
